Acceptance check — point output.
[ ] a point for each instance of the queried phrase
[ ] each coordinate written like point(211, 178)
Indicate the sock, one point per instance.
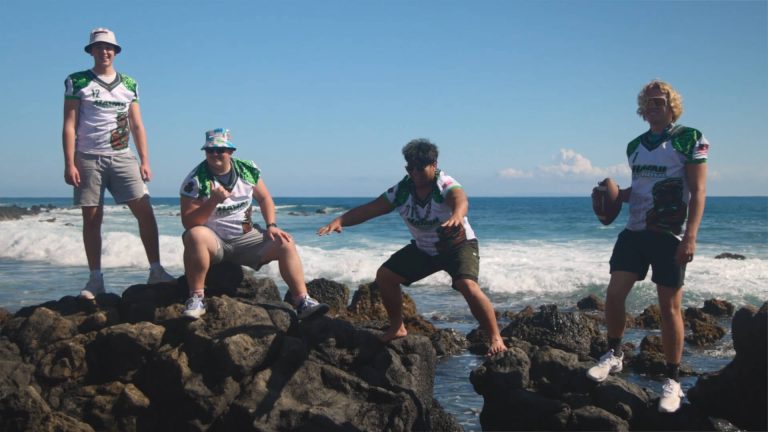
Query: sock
point(615, 345)
point(673, 371)
point(155, 266)
point(200, 293)
point(95, 274)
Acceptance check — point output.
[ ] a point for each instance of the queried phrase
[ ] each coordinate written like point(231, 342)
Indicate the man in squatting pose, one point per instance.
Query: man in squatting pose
point(101, 110)
point(669, 172)
point(216, 199)
point(434, 207)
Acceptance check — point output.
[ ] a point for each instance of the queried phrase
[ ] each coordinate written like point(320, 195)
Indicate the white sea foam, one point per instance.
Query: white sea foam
point(523, 271)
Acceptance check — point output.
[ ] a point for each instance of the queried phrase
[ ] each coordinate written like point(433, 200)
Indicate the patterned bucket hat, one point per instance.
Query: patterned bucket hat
point(218, 138)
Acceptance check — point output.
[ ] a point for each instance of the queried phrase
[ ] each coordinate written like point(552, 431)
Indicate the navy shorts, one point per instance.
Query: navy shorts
point(412, 264)
point(635, 251)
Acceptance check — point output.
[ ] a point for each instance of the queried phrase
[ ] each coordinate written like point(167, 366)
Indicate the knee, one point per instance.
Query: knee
point(386, 278)
point(194, 236)
point(467, 287)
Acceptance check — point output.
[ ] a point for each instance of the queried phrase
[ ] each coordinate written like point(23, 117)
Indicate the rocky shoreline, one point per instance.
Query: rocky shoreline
point(132, 363)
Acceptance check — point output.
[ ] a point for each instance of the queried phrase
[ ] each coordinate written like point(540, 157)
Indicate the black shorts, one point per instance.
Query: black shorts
point(412, 264)
point(635, 251)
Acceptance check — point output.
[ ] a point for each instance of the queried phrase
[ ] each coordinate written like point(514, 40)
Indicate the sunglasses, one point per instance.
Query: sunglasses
point(658, 102)
point(217, 150)
point(417, 167)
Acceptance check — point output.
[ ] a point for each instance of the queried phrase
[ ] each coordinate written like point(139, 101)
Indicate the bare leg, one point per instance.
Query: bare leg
point(92, 218)
point(615, 313)
point(289, 263)
point(672, 327)
point(392, 298)
point(142, 210)
point(200, 245)
point(482, 310)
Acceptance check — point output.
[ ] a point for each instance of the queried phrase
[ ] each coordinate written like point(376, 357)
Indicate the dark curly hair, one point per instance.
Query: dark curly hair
point(420, 151)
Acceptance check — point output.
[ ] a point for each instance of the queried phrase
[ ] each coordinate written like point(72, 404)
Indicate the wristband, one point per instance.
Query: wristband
point(271, 225)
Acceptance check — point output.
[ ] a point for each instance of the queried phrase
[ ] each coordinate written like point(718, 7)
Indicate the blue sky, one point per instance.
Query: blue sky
point(522, 97)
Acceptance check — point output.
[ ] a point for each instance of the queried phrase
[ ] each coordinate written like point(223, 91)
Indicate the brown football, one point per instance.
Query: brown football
point(605, 201)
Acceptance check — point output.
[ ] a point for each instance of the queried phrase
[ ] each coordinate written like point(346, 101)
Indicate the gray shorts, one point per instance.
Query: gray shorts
point(245, 250)
point(120, 174)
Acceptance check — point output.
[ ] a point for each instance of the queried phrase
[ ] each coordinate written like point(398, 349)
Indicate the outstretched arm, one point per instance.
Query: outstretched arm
point(457, 201)
point(358, 215)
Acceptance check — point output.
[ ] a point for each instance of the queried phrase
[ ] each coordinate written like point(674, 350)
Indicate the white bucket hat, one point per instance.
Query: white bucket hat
point(218, 138)
point(102, 35)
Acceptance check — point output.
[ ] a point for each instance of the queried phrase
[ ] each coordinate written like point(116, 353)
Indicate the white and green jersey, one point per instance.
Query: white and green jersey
point(231, 216)
point(102, 126)
point(423, 218)
point(660, 194)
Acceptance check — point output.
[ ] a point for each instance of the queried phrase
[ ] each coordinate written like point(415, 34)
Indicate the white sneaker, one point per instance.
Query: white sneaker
point(670, 396)
point(94, 287)
point(194, 307)
point(607, 365)
point(159, 275)
point(309, 307)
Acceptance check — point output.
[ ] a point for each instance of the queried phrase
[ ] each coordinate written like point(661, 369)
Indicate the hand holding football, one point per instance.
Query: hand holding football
point(606, 202)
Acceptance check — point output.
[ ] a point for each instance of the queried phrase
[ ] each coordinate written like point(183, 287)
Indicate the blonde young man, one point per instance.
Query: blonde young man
point(101, 111)
point(216, 199)
point(434, 207)
point(666, 204)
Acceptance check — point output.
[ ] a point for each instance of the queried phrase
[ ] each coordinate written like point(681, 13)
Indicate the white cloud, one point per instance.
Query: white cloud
point(514, 173)
point(569, 163)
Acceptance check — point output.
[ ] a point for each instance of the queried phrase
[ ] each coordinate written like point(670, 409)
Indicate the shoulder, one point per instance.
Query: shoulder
point(195, 185)
point(247, 170)
point(398, 194)
point(129, 82)
point(632, 145)
point(79, 80)
point(685, 139)
point(445, 182)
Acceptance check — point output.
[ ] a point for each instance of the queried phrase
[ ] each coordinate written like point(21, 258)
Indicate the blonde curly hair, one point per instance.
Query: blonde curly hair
point(674, 99)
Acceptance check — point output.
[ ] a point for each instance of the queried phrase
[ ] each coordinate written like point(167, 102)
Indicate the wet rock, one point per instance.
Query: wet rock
point(448, 342)
point(568, 331)
point(590, 302)
point(650, 318)
point(729, 255)
point(738, 392)
point(704, 333)
point(240, 364)
point(332, 293)
point(718, 308)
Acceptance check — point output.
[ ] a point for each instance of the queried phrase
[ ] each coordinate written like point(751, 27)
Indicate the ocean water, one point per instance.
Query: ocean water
point(533, 251)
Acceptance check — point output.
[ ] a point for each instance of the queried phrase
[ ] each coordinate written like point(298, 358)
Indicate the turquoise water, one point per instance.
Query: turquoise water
point(533, 251)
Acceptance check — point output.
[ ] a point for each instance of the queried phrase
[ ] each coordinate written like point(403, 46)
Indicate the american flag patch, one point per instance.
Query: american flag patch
point(701, 150)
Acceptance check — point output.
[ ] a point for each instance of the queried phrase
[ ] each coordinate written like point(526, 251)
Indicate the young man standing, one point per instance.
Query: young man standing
point(434, 207)
point(666, 204)
point(216, 199)
point(101, 111)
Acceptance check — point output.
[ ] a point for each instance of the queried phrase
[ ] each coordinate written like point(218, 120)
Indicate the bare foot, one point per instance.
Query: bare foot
point(393, 333)
point(497, 346)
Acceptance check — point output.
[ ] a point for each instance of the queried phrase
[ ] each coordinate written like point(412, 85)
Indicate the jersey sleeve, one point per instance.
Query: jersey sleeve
point(700, 151)
point(191, 186)
point(446, 183)
point(131, 85)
